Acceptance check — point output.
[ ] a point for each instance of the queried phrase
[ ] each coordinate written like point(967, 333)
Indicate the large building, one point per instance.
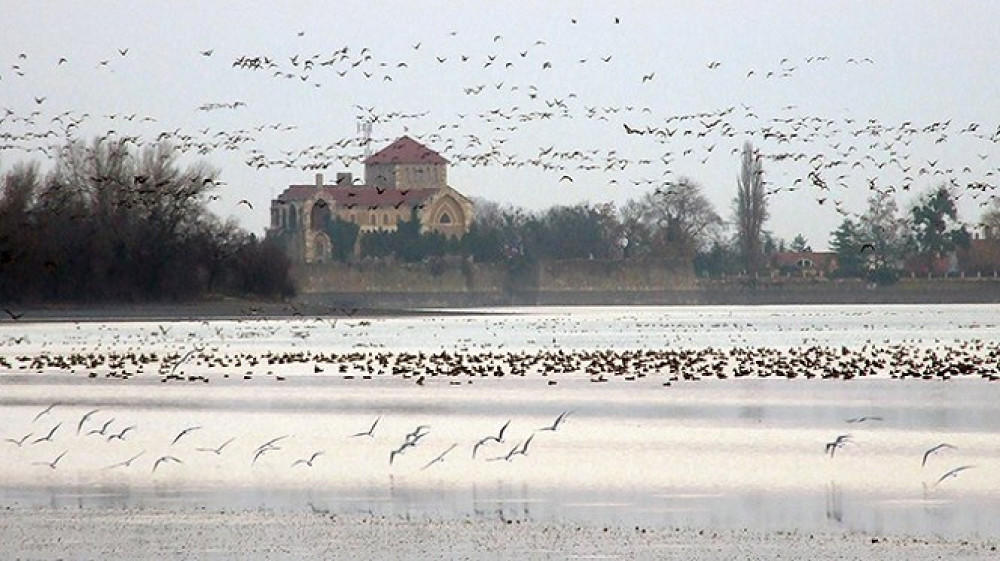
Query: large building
point(402, 177)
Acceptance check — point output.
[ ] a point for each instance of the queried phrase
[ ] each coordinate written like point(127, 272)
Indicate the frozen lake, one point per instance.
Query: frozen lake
point(653, 433)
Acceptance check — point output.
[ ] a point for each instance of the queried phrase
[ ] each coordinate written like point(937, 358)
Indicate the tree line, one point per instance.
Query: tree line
point(116, 222)
point(678, 224)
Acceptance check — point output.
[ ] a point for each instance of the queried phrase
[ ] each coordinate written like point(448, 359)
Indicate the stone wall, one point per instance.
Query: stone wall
point(454, 284)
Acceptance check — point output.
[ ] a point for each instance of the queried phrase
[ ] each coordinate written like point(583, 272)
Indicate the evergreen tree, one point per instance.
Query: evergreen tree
point(800, 244)
point(847, 243)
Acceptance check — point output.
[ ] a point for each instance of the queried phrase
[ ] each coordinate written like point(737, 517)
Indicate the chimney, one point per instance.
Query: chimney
point(319, 179)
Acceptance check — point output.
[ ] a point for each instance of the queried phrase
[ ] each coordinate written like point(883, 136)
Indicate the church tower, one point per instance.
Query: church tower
point(406, 164)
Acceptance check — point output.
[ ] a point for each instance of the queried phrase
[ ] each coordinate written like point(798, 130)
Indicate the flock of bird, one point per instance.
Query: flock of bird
point(204, 362)
point(513, 97)
point(90, 427)
point(844, 439)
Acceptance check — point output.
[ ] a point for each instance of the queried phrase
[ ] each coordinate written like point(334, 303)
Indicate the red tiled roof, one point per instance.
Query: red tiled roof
point(362, 196)
point(405, 150)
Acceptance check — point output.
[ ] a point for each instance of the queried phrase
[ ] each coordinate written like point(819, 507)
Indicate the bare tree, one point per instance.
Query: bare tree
point(678, 219)
point(883, 226)
point(751, 208)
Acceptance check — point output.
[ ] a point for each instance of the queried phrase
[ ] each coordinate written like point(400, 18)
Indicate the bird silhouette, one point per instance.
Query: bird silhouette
point(183, 433)
point(20, 442)
point(52, 464)
point(520, 449)
point(952, 473)
point(310, 461)
point(371, 430)
point(121, 435)
point(839, 442)
point(83, 419)
point(555, 424)
point(164, 459)
point(48, 437)
point(268, 446)
point(101, 431)
point(440, 457)
point(13, 316)
point(44, 412)
point(864, 418)
point(938, 448)
point(499, 438)
point(126, 463)
point(218, 450)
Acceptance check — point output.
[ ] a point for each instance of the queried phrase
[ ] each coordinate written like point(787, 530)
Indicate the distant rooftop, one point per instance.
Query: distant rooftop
point(405, 150)
point(362, 196)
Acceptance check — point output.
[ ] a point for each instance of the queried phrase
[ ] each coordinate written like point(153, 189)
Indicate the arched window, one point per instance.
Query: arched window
point(320, 215)
point(445, 218)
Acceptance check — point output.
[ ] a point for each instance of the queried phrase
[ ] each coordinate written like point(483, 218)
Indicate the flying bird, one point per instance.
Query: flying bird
point(48, 437)
point(938, 448)
point(952, 473)
point(183, 433)
point(371, 430)
point(164, 459)
point(864, 418)
point(310, 461)
point(18, 442)
point(499, 438)
point(520, 449)
point(101, 431)
point(218, 451)
point(121, 435)
point(839, 442)
point(84, 419)
point(555, 424)
point(46, 411)
point(126, 463)
point(52, 464)
point(13, 316)
point(417, 433)
point(440, 457)
point(261, 451)
point(267, 447)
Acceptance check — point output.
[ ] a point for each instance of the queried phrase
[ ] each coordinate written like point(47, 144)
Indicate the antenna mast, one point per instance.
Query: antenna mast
point(365, 130)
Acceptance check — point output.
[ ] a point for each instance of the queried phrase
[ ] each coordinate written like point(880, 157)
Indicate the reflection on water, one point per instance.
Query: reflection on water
point(829, 509)
point(737, 453)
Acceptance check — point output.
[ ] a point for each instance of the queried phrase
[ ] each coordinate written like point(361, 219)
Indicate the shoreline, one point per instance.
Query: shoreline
point(345, 306)
point(55, 533)
point(215, 310)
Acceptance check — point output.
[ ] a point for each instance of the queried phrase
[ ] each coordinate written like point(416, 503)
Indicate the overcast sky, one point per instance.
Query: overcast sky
point(850, 89)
